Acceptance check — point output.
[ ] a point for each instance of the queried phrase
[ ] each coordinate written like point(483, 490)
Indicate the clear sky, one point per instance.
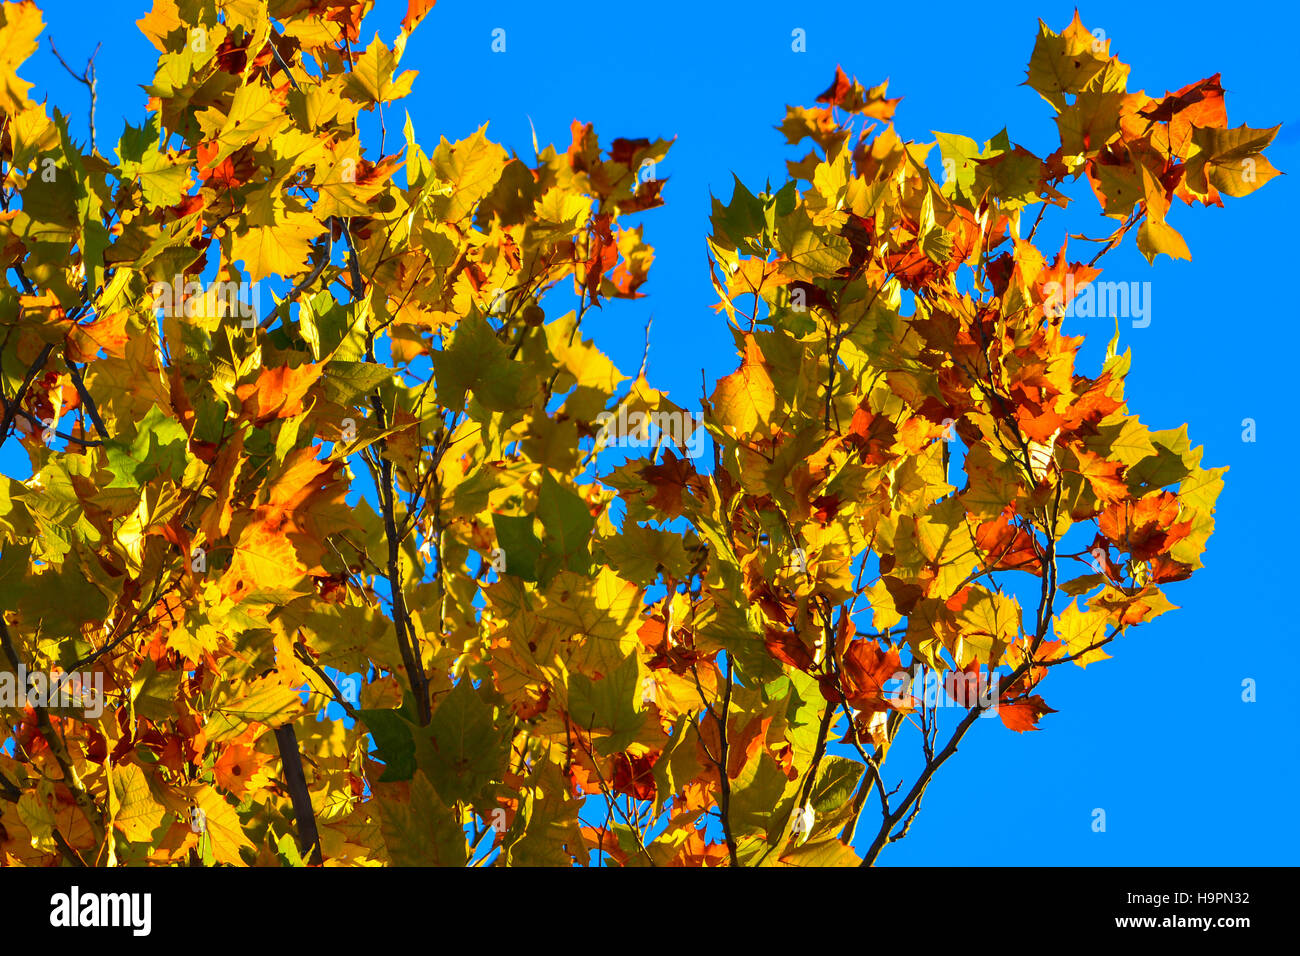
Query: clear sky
point(1158, 737)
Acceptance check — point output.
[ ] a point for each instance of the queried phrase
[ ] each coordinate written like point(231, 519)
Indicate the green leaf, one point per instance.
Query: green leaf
point(1173, 460)
point(609, 705)
point(519, 544)
point(157, 451)
point(568, 525)
point(14, 562)
point(344, 381)
point(756, 796)
point(477, 362)
point(162, 181)
point(742, 221)
point(638, 553)
point(836, 783)
point(287, 851)
point(468, 752)
point(679, 763)
point(814, 252)
point(264, 702)
point(960, 154)
point(394, 742)
point(422, 831)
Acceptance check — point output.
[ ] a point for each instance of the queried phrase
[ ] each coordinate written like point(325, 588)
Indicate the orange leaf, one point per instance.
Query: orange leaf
point(745, 399)
point(278, 392)
point(415, 12)
point(107, 332)
point(1024, 714)
point(1105, 476)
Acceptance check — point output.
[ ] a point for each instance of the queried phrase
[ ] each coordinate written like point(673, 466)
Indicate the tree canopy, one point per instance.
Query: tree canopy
point(385, 491)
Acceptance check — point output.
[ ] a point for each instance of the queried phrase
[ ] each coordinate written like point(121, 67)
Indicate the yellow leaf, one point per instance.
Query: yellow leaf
point(1230, 160)
point(20, 24)
point(823, 853)
point(372, 80)
point(274, 241)
point(472, 166)
point(1081, 630)
point(266, 701)
point(1155, 237)
point(566, 210)
point(745, 399)
point(194, 643)
point(134, 810)
point(39, 819)
point(32, 133)
point(223, 827)
point(160, 22)
point(1065, 62)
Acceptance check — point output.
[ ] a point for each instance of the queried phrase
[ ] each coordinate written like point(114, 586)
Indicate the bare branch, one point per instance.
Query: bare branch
point(88, 79)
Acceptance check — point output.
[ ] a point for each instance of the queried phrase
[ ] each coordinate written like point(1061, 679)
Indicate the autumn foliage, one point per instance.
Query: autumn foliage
point(385, 493)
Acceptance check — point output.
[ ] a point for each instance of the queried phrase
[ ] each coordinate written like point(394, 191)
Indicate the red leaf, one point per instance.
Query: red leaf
point(1024, 714)
point(788, 648)
point(837, 90)
point(865, 672)
point(415, 11)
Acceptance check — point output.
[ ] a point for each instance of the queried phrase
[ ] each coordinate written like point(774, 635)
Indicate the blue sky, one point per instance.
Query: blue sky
point(1158, 737)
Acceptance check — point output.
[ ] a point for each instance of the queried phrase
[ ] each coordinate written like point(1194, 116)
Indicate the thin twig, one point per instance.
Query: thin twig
point(407, 644)
point(88, 79)
point(14, 405)
point(86, 400)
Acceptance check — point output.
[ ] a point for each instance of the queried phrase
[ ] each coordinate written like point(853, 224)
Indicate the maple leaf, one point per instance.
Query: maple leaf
point(1023, 715)
point(239, 767)
point(275, 240)
point(1007, 544)
point(788, 648)
point(1082, 632)
point(1065, 62)
point(107, 333)
point(222, 826)
point(282, 543)
point(671, 480)
point(1105, 477)
point(1198, 105)
point(20, 25)
point(372, 80)
point(867, 672)
point(416, 10)
point(744, 400)
point(278, 392)
point(1146, 529)
point(133, 808)
point(849, 95)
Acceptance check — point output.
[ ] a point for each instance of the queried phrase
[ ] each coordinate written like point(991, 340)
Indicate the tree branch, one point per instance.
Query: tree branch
point(305, 818)
point(84, 801)
point(724, 788)
point(407, 644)
point(87, 402)
point(14, 405)
point(86, 78)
